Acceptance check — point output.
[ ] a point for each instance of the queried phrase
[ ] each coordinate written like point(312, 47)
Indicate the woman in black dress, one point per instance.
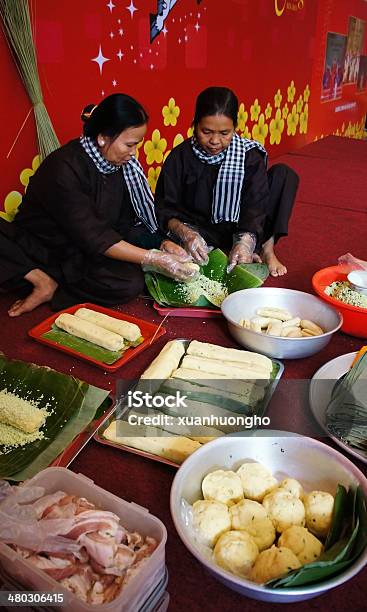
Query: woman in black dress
point(86, 226)
point(214, 189)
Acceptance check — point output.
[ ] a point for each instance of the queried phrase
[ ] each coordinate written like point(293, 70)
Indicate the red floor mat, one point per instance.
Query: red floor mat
point(327, 182)
point(336, 147)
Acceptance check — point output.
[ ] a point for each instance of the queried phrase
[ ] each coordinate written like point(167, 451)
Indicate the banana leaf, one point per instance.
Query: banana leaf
point(252, 399)
point(349, 526)
point(87, 348)
point(346, 414)
point(168, 292)
point(71, 402)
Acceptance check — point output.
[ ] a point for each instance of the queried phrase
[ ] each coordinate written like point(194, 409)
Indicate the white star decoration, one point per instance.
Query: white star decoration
point(120, 55)
point(131, 8)
point(114, 83)
point(121, 32)
point(100, 59)
point(197, 27)
point(111, 35)
point(151, 66)
point(164, 31)
point(111, 5)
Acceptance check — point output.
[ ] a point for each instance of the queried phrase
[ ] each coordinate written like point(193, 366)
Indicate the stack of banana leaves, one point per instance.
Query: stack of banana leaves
point(346, 414)
point(211, 287)
point(41, 412)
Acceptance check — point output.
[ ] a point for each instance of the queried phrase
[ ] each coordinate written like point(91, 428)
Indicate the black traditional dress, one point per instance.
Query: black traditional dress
point(185, 192)
point(70, 214)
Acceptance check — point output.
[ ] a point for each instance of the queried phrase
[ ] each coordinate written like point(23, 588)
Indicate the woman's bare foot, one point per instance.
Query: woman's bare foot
point(276, 268)
point(44, 288)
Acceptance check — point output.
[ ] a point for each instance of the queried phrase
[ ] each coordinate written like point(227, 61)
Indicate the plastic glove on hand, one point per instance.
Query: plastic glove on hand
point(242, 250)
point(193, 243)
point(168, 246)
point(169, 265)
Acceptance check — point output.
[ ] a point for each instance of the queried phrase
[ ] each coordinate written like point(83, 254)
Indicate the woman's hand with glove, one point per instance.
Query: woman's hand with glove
point(191, 240)
point(242, 250)
point(169, 264)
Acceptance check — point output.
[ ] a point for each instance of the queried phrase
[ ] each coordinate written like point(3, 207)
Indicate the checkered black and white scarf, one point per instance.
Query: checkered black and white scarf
point(227, 190)
point(137, 184)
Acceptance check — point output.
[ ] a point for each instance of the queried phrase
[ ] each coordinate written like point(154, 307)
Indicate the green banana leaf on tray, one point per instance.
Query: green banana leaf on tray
point(72, 405)
point(87, 348)
point(212, 286)
point(346, 540)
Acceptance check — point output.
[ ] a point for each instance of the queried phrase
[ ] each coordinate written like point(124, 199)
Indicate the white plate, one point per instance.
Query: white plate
point(320, 395)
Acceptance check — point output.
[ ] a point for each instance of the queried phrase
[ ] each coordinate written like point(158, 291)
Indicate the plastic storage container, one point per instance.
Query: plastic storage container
point(140, 589)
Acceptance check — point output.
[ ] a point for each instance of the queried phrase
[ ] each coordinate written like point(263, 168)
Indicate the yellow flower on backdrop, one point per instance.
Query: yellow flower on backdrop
point(260, 130)
point(242, 117)
point(177, 140)
point(155, 148)
point(246, 133)
point(292, 121)
point(276, 128)
point(291, 91)
point(11, 203)
point(306, 93)
point(139, 146)
point(299, 104)
point(170, 112)
point(14, 198)
point(255, 110)
point(268, 110)
point(285, 111)
point(278, 99)
point(153, 174)
point(190, 132)
point(303, 120)
point(26, 174)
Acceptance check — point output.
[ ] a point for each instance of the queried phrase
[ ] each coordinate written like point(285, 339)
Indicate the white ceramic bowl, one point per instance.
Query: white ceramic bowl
point(358, 280)
point(316, 465)
point(244, 304)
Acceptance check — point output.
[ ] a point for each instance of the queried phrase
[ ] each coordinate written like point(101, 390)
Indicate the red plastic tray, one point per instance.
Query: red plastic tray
point(200, 313)
point(150, 333)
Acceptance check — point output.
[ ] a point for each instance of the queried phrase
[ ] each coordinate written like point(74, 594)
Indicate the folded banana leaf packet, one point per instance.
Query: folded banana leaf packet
point(212, 285)
point(346, 414)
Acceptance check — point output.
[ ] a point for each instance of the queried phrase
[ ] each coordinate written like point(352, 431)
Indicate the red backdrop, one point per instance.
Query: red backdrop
point(271, 52)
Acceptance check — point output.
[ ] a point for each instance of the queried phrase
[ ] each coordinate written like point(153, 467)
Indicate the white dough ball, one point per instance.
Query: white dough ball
point(304, 545)
point(273, 563)
point(256, 480)
point(292, 486)
point(284, 510)
point(223, 486)
point(245, 512)
point(210, 520)
point(236, 552)
point(262, 531)
point(319, 511)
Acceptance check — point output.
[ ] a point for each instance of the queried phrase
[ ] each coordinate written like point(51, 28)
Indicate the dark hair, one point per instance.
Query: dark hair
point(216, 101)
point(112, 116)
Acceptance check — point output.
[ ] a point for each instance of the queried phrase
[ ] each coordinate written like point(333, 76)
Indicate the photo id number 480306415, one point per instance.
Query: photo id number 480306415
point(26, 598)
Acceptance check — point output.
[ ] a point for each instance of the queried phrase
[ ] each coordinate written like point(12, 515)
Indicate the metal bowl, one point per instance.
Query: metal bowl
point(358, 281)
point(244, 304)
point(316, 465)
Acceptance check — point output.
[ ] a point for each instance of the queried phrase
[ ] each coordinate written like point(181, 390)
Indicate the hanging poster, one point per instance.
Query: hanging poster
point(354, 49)
point(362, 74)
point(332, 79)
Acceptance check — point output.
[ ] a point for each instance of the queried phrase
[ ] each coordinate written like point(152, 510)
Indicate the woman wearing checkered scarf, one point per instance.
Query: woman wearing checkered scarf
point(214, 189)
point(86, 228)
